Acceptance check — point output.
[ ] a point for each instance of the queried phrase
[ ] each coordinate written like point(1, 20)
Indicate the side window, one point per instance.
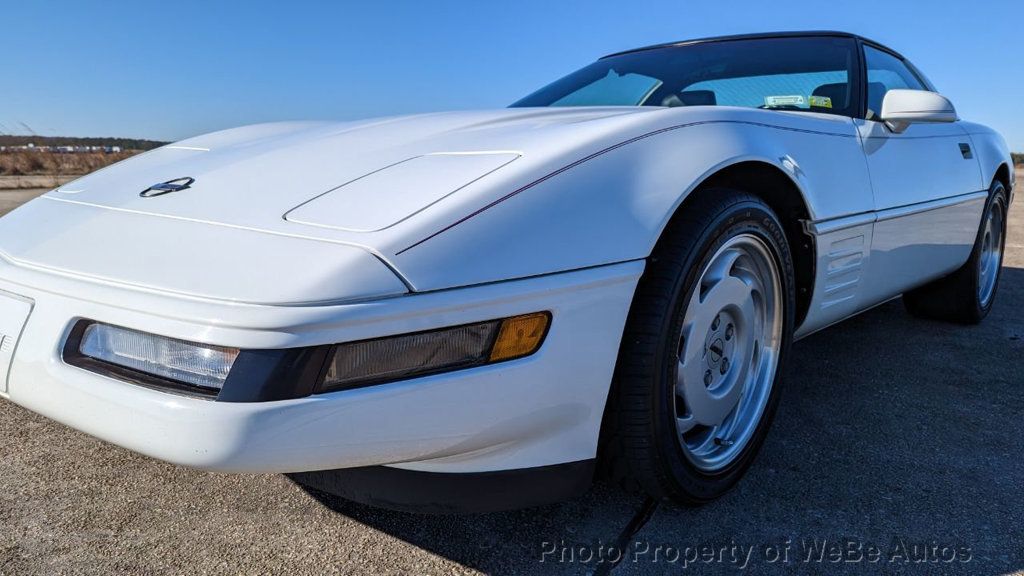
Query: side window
point(886, 72)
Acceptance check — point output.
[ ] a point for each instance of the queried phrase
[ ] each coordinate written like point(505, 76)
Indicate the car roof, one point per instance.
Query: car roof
point(762, 35)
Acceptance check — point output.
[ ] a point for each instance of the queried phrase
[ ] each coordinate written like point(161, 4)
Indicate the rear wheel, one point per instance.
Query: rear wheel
point(697, 379)
point(966, 296)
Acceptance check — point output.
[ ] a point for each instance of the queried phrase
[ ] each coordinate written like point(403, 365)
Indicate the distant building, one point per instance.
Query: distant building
point(31, 147)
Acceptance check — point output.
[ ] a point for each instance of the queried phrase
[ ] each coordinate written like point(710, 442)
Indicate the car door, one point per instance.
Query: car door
point(925, 182)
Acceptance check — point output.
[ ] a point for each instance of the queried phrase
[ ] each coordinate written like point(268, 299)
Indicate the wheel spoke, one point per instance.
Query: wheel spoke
point(721, 267)
point(685, 423)
point(727, 292)
point(704, 442)
point(690, 369)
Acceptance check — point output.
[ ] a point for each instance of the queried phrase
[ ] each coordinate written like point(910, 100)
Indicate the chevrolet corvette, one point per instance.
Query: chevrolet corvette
point(485, 310)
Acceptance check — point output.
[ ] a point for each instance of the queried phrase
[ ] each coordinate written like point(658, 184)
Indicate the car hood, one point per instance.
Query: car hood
point(299, 212)
point(253, 176)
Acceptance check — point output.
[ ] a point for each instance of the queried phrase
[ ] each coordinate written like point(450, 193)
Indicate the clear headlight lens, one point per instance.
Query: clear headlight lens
point(187, 362)
point(411, 355)
point(169, 363)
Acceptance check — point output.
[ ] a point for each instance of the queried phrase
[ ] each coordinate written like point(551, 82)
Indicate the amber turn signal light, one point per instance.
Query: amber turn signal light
point(520, 336)
point(406, 356)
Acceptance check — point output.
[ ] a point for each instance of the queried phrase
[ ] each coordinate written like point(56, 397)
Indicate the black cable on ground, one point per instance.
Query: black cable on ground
point(642, 516)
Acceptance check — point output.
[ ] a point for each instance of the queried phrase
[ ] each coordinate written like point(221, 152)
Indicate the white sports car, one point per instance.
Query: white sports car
point(483, 310)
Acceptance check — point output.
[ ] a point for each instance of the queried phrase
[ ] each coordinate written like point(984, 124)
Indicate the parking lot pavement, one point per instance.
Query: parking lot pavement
point(11, 199)
point(894, 434)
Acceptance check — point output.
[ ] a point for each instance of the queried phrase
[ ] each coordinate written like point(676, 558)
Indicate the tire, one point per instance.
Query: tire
point(659, 437)
point(966, 296)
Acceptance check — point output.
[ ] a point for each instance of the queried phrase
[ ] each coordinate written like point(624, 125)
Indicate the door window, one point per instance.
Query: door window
point(886, 72)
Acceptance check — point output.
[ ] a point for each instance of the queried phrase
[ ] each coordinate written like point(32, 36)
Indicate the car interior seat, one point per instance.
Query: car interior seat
point(691, 98)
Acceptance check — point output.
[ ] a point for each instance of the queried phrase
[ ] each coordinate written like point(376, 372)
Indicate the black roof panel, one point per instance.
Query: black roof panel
point(796, 34)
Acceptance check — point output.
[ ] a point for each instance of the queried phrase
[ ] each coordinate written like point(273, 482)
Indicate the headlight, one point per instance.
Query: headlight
point(410, 355)
point(233, 375)
point(189, 363)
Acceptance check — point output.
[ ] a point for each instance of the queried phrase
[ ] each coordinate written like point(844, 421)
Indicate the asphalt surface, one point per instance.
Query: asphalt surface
point(897, 439)
point(12, 198)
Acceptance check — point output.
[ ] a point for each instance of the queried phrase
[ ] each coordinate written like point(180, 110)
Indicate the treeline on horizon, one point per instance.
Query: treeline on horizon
point(140, 144)
point(124, 143)
point(33, 163)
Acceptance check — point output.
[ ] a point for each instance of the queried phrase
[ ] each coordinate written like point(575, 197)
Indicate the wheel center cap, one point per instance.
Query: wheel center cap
point(716, 350)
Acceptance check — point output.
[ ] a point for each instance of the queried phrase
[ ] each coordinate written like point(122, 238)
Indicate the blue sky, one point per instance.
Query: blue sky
point(167, 70)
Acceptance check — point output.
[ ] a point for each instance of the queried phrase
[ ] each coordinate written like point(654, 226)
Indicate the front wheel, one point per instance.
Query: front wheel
point(698, 375)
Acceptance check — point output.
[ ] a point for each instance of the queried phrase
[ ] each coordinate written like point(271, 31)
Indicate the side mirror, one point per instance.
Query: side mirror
point(901, 108)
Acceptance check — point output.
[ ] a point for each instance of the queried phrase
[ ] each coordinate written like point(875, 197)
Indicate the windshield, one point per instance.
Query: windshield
point(810, 73)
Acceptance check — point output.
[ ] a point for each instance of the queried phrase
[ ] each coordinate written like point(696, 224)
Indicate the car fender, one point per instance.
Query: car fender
point(991, 151)
point(613, 206)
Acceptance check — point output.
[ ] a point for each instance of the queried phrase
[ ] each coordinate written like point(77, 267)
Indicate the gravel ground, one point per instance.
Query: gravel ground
point(894, 436)
point(11, 199)
point(30, 182)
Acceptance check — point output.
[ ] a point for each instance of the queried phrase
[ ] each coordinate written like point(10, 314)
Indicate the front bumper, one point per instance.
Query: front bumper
point(538, 411)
